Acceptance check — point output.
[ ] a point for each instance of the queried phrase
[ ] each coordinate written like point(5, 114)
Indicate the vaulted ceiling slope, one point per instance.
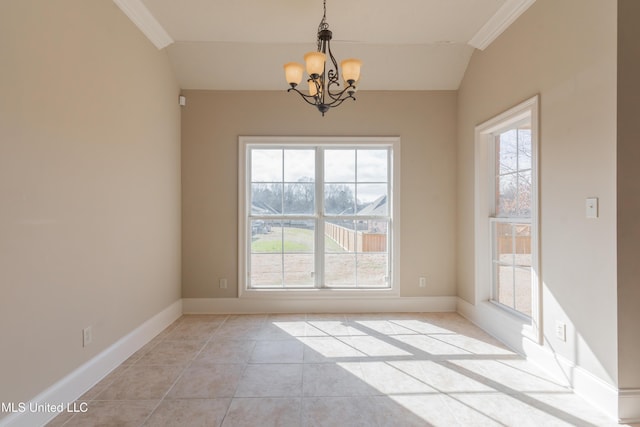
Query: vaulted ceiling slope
point(242, 44)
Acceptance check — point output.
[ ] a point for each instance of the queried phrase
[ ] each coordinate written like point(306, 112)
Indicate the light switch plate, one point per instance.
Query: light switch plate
point(592, 207)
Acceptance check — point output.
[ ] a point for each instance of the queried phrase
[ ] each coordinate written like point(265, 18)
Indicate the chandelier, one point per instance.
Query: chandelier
point(324, 79)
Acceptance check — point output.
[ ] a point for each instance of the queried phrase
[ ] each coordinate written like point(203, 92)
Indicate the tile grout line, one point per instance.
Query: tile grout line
point(190, 363)
point(459, 402)
point(244, 369)
point(128, 366)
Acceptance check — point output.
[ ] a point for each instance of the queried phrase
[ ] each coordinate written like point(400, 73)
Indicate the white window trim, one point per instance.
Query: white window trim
point(531, 327)
point(324, 293)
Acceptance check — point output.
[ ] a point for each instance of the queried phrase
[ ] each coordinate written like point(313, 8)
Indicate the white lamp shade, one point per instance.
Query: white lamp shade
point(351, 69)
point(315, 62)
point(293, 72)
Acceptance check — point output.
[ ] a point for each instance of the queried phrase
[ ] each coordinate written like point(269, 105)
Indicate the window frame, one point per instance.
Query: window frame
point(485, 214)
point(244, 211)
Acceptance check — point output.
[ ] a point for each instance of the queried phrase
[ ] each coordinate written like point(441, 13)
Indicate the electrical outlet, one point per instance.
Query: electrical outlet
point(422, 282)
point(87, 336)
point(223, 283)
point(561, 331)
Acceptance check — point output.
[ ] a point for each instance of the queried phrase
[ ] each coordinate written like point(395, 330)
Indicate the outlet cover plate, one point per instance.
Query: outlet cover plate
point(561, 331)
point(87, 336)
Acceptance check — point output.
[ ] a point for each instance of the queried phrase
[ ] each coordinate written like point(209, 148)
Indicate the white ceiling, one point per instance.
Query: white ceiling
point(242, 44)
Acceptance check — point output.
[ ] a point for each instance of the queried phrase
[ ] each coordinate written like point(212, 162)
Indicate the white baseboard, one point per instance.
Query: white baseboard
point(318, 305)
point(623, 405)
point(629, 406)
point(601, 394)
point(78, 382)
point(495, 322)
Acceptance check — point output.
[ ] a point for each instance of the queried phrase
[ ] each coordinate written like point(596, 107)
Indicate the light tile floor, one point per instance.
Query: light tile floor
point(400, 370)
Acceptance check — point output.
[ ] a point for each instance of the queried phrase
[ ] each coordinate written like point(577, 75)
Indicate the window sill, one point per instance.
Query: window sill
point(319, 293)
point(513, 320)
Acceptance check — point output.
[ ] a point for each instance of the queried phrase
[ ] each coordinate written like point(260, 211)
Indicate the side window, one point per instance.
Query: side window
point(506, 211)
point(510, 222)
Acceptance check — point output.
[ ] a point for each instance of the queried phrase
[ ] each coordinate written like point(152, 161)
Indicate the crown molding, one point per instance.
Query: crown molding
point(499, 22)
point(145, 21)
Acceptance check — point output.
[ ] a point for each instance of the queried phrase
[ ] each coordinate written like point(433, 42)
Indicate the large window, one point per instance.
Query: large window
point(317, 214)
point(507, 213)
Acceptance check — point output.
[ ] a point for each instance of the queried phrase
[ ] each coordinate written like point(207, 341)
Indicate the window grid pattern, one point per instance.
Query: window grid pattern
point(319, 217)
point(510, 223)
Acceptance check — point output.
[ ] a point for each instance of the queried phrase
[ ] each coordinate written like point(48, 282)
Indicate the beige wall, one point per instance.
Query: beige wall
point(89, 186)
point(566, 52)
point(628, 194)
point(212, 122)
point(90, 179)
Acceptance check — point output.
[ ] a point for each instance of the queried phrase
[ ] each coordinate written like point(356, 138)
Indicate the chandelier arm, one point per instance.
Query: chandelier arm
point(319, 82)
point(333, 75)
point(305, 97)
point(332, 80)
point(337, 102)
point(338, 95)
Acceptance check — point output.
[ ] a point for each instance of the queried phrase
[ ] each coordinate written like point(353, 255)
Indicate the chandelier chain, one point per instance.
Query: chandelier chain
point(323, 24)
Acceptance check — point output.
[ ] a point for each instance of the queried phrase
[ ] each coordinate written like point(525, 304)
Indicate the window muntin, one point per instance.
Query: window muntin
point(512, 265)
point(356, 253)
point(500, 230)
point(513, 172)
point(298, 193)
point(355, 179)
point(282, 253)
point(282, 182)
point(510, 221)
